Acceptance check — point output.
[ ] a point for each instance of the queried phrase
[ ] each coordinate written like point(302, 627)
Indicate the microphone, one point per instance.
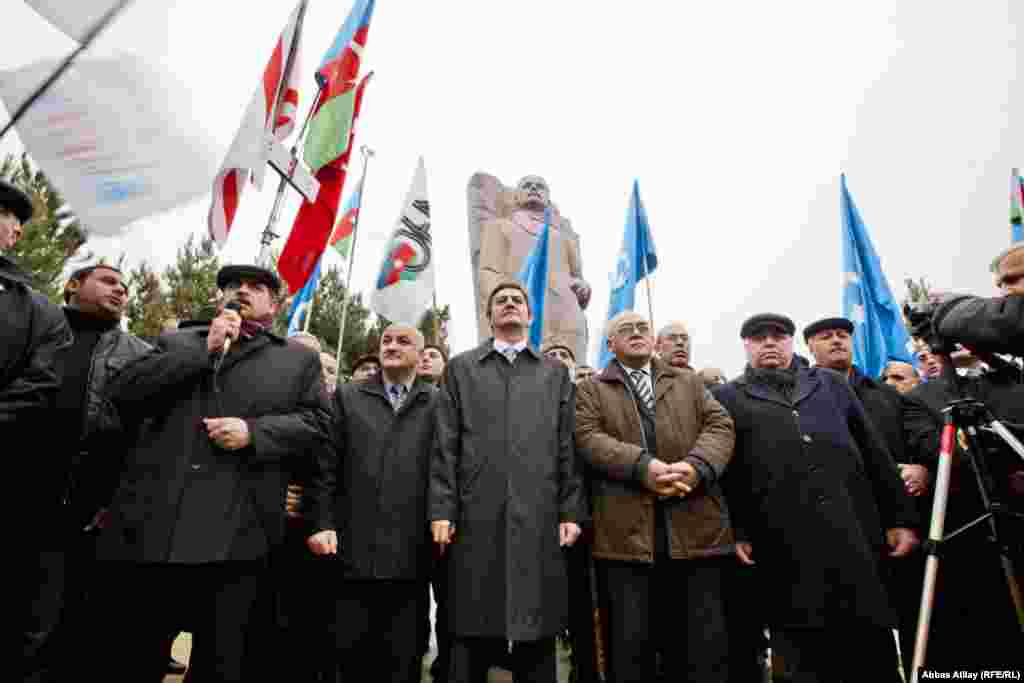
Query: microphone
point(235, 307)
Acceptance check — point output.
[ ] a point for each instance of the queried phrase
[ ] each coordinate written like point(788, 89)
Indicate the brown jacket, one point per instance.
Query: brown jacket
point(690, 425)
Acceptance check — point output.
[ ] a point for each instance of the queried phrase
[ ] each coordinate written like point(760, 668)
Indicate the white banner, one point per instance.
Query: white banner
point(117, 136)
point(73, 17)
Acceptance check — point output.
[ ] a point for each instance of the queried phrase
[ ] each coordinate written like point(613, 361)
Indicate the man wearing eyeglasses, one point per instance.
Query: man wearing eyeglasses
point(657, 444)
point(505, 497)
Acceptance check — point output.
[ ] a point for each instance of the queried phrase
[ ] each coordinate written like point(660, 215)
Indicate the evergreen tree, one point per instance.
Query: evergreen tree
point(326, 320)
point(53, 238)
point(186, 291)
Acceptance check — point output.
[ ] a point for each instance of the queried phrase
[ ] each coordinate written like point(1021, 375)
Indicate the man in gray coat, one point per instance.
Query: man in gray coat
point(505, 496)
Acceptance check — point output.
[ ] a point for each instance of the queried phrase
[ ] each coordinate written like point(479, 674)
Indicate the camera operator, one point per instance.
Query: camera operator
point(974, 621)
point(989, 325)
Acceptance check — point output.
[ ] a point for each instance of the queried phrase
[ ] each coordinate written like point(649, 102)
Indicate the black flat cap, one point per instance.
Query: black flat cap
point(828, 324)
point(234, 274)
point(16, 201)
point(758, 324)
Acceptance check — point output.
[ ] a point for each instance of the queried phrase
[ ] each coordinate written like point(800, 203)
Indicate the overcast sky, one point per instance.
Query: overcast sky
point(736, 117)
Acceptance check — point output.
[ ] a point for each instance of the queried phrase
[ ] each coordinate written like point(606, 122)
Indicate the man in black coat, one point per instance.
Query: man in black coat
point(94, 442)
point(815, 498)
point(973, 615)
point(368, 507)
point(505, 497)
point(896, 417)
point(201, 499)
point(989, 325)
point(32, 331)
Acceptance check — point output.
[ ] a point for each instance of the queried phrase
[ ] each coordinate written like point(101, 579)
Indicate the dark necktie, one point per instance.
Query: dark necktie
point(397, 392)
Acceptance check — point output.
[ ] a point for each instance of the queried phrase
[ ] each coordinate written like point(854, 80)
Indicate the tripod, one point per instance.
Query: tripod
point(972, 417)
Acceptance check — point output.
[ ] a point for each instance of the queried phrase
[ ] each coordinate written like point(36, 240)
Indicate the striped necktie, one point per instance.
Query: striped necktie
point(643, 388)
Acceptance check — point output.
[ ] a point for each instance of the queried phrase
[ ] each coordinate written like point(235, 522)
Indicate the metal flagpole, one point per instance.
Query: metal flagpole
point(367, 154)
point(312, 303)
point(87, 40)
point(275, 213)
point(650, 305)
point(437, 321)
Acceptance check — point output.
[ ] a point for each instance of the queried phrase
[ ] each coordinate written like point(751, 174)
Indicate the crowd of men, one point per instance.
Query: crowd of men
point(219, 480)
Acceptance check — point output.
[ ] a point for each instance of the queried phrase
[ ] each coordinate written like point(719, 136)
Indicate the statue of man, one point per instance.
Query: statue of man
point(505, 242)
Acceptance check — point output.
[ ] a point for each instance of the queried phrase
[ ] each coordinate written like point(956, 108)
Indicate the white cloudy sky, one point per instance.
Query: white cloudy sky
point(736, 117)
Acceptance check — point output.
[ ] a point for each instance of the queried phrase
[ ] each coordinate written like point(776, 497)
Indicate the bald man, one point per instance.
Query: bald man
point(368, 507)
point(901, 376)
point(673, 345)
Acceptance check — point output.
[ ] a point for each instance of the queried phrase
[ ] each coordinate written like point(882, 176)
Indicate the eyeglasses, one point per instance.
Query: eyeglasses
point(626, 329)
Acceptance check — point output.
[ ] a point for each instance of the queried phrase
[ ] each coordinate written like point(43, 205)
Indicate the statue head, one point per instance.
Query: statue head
point(532, 192)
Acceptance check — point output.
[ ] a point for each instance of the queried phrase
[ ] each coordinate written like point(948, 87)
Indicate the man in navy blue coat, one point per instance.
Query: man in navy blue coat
point(816, 500)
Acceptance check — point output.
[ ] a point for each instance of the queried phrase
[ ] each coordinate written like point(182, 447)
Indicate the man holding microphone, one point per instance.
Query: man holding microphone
point(221, 412)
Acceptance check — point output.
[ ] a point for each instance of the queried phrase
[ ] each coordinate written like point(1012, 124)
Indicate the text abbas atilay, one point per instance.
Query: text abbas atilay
point(986, 675)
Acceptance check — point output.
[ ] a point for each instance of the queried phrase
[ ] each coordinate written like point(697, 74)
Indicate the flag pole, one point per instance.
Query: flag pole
point(275, 213)
point(650, 305)
point(437, 322)
point(87, 40)
point(312, 303)
point(367, 155)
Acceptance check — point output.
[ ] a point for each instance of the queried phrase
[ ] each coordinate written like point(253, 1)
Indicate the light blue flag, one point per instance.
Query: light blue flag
point(636, 260)
point(534, 276)
point(879, 332)
point(303, 301)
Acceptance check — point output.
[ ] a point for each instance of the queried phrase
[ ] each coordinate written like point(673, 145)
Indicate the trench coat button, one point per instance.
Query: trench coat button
point(796, 413)
point(807, 439)
point(822, 499)
point(813, 468)
point(196, 468)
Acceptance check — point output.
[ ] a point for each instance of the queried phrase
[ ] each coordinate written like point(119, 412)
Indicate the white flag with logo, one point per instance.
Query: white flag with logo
point(117, 136)
point(404, 288)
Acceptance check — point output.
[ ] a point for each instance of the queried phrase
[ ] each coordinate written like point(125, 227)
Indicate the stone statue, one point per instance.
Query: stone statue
point(504, 225)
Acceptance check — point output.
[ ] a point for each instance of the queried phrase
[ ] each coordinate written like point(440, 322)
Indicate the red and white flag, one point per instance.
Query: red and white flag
point(247, 156)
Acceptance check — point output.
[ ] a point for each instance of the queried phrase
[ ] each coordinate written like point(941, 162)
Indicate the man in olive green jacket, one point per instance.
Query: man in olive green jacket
point(657, 444)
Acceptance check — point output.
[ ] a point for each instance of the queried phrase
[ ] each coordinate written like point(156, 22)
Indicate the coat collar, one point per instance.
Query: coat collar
point(662, 372)
point(487, 349)
point(12, 272)
point(807, 382)
point(245, 350)
point(375, 387)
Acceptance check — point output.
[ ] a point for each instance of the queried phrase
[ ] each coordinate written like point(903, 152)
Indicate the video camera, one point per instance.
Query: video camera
point(919, 319)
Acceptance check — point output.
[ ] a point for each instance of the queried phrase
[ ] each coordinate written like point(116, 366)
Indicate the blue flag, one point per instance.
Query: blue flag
point(303, 301)
point(534, 276)
point(636, 260)
point(879, 332)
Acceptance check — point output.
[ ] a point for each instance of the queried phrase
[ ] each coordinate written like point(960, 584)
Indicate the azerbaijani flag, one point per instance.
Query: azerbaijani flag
point(329, 128)
point(328, 145)
point(1016, 202)
point(343, 232)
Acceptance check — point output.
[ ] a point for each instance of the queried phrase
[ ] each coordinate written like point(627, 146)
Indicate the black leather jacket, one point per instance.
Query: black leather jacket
point(32, 330)
point(113, 351)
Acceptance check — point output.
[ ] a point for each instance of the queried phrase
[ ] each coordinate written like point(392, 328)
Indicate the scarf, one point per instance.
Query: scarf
point(782, 380)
